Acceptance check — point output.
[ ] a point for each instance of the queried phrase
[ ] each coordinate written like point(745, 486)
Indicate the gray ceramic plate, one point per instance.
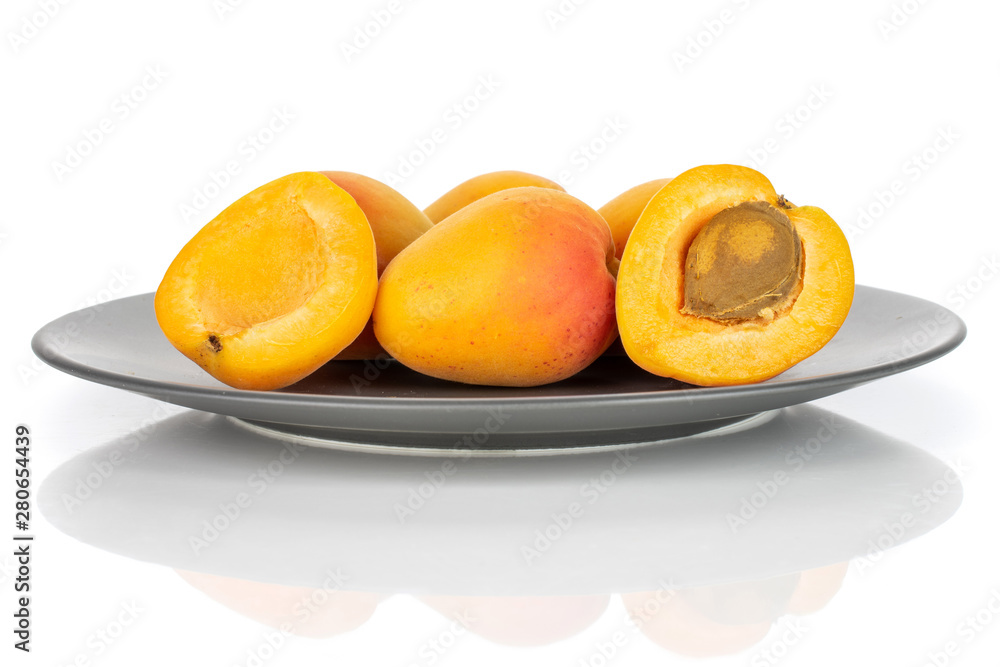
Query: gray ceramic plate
point(390, 408)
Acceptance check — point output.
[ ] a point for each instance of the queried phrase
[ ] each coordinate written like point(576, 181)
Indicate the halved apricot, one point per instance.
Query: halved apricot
point(275, 286)
point(395, 223)
point(478, 187)
point(725, 282)
point(622, 212)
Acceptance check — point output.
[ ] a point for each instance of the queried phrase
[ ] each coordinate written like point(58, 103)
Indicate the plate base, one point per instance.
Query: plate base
point(497, 444)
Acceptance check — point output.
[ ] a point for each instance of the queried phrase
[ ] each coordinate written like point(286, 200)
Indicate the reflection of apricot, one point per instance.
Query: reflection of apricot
point(273, 287)
point(743, 602)
point(816, 588)
point(306, 612)
point(395, 223)
point(478, 187)
point(522, 621)
point(622, 212)
point(671, 621)
point(725, 282)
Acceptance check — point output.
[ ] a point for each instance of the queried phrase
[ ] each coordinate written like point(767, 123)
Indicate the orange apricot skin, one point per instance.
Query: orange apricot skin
point(513, 290)
point(480, 186)
point(287, 346)
point(659, 338)
point(522, 621)
point(622, 212)
point(395, 223)
point(281, 607)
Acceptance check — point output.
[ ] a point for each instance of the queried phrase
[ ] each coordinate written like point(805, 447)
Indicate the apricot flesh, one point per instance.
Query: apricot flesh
point(480, 186)
point(795, 296)
point(622, 212)
point(395, 223)
point(275, 286)
point(513, 290)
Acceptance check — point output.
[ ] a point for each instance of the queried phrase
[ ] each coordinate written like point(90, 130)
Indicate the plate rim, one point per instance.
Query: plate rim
point(56, 359)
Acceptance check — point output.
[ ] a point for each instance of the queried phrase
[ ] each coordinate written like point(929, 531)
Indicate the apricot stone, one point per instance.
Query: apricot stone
point(485, 184)
point(514, 289)
point(275, 286)
point(745, 263)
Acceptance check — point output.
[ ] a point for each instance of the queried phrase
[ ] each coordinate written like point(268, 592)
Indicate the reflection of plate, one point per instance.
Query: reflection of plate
point(803, 490)
point(612, 402)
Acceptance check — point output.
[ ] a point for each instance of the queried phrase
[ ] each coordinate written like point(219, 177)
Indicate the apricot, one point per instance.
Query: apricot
point(817, 587)
point(275, 286)
point(514, 290)
point(479, 186)
point(302, 611)
point(671, 621)
point(395, 223)
point(622, 212)
point(522, 621)
point(725, 282)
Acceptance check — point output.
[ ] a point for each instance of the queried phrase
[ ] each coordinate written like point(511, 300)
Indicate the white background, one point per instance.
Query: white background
point(885, 80)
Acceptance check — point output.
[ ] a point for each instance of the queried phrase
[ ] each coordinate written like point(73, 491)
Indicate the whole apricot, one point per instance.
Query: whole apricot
point(622, 212)
point(514, 289)
point(485, 184)
point(395, 223)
